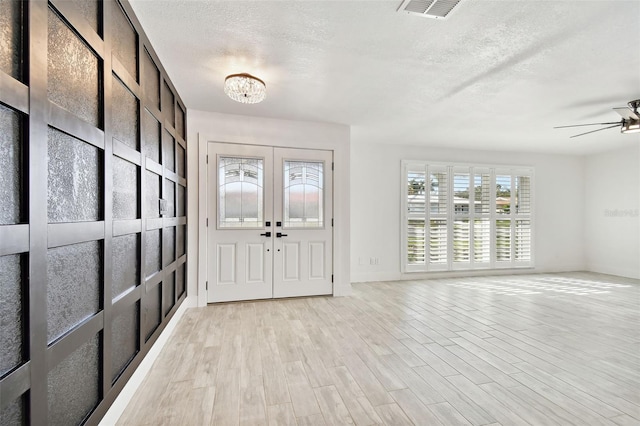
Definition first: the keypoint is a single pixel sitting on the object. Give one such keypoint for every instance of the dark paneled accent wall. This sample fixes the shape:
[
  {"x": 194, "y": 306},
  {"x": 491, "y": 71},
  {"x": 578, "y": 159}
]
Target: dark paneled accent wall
[{"x": 92, "y": 206}]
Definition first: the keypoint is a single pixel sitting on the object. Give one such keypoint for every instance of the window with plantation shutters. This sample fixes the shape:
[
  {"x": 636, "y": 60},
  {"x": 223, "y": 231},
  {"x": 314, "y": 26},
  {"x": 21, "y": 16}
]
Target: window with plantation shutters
[{"x": 458, "y": 217}]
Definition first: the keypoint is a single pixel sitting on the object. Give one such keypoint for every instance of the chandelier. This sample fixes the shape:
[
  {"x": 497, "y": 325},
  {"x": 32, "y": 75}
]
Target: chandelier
[{"x": 245, "y": 88}]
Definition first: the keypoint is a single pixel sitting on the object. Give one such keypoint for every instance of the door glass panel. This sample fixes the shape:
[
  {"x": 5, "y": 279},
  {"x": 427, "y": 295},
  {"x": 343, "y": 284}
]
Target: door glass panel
[
  {"x": 240, "y": 192},
  {"x": 303, "y": 194}
]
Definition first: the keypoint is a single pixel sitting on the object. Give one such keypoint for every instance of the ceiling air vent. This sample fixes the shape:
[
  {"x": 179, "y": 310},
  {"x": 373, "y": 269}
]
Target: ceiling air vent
[{"x": 437, "y": 9}]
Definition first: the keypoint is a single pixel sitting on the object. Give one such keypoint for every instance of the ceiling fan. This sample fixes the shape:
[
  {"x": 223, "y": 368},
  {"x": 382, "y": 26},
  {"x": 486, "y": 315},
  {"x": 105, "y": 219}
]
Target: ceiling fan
[{"x": 630, "y": 122}]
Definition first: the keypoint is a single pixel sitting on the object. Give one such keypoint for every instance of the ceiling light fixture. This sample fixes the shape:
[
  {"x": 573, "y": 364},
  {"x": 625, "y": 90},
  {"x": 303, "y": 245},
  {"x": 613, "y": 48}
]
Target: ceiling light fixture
[
  {"x": 631, "y": 119},
  {"x": 245, "y": 88},
  {"x": 630, "y": 126}
]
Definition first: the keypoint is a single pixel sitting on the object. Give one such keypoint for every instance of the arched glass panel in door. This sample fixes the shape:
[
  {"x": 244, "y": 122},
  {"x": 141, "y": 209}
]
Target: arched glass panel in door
[
  {"x": 240, "y": 192},
  {"x": 303, "y": 194}
]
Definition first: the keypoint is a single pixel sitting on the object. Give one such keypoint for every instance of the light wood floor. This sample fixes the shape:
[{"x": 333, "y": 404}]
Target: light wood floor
[{"x": 555, "y": 349}]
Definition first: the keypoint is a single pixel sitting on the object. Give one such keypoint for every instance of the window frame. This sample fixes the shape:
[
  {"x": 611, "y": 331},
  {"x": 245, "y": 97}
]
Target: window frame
[{"x": 472, "y": 170}]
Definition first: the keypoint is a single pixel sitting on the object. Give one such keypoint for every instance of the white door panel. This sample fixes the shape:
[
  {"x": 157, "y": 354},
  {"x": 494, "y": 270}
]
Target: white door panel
[
  {"x": 270, "y": 228},
  {"x": 290, "y": 261},
  {"x": 316, "y": 261},
  {"x": 227, "y": 264},
  {"x": 255, "y": 263},
  {"x": 303, "y": 205},
  {"x": 240, "y": 203}
]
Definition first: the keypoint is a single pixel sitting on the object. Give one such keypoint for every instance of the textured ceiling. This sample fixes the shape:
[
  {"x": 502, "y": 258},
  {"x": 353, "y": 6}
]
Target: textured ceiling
[{"x": 496, "y": 75}]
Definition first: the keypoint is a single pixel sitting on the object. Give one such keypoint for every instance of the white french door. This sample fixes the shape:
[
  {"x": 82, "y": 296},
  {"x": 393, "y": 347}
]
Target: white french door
[
  {"x": 303, "y": 206},
  {"x": 239, "y": 243},
  {"x": 269, "y": 230}
]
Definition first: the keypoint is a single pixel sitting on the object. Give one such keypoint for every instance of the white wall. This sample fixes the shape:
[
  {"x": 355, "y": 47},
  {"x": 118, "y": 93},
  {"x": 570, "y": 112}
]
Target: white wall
[
  {"x": 572, "y": 195},
  {"x": 203, "y": 126},
  {"x": 375, "y": 206},
  {"x": 612, "y": 223}
]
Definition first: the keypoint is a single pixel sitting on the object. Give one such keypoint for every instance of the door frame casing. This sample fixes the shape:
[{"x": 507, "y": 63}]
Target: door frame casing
[{"x": 341, "y": 200}]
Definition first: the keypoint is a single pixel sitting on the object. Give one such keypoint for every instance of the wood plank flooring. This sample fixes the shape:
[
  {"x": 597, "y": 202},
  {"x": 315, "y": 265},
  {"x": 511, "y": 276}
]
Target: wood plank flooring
[{"x": 548, "y": 349}]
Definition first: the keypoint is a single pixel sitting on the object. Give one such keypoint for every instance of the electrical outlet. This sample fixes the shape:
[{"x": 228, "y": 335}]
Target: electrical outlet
[
  {"x": 372, "y": 261},
  {"x": 164, "y": 207}
]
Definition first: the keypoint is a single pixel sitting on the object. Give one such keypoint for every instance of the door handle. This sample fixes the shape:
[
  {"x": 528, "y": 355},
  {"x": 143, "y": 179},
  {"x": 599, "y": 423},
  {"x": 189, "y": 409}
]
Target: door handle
[
  {"x": 280, "y": 235},
  {"x": 266, "y": 234}
]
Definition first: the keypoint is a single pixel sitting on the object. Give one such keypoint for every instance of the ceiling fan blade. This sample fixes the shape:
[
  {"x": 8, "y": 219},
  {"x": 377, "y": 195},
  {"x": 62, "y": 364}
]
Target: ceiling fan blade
[
  {"x": 627, "y": 113},
  {"x": 593, "y": 131},
  {"x": 590, "y": 124}
]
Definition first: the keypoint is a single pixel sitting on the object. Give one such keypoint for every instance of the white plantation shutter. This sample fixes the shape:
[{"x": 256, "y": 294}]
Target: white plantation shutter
[
  {"x": 438, "y": 191},
  {"x": 522, "y": 244},
  {"x": 438, "y": 241},
  {"x": 523, "y": 195},
  {"x": 461, "y": 194},
  {"x": 481, "y": 215},
  {"x": 482, "y": 192},
  {"x": 415, "y": 219},
  {"x": 503, "y": 195},
  {"x": 416, "y": 247},
  {"x": 513, "y": 220},
  {"x": 415, "y": 193},
  {"x": 458, "y": 217},
  {"x": 461, "y": 241},
  {"x": 482, "y": 241},
  {"x": 438, "y": 215},
  {"x": 503, "y": 240},
  {"x": 462, "y": 201},
  {"x": 522, "y": 231}
]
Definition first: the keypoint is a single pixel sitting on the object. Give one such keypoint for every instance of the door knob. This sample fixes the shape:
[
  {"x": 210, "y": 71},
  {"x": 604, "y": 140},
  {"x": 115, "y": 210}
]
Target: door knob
[
  {"x": 266, "y": 234},
  {"x": 280, "y": 235}
]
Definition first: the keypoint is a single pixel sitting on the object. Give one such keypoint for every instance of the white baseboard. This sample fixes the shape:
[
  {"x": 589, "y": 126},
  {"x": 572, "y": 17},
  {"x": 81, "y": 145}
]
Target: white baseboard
[
  {"x": 398, "y": 276},
  {"x": 620, "y": 272},
  {"x": 376, "y": 276},
  {"x": 342, "y": 290},
  {"x": 120, "y": 404}
]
